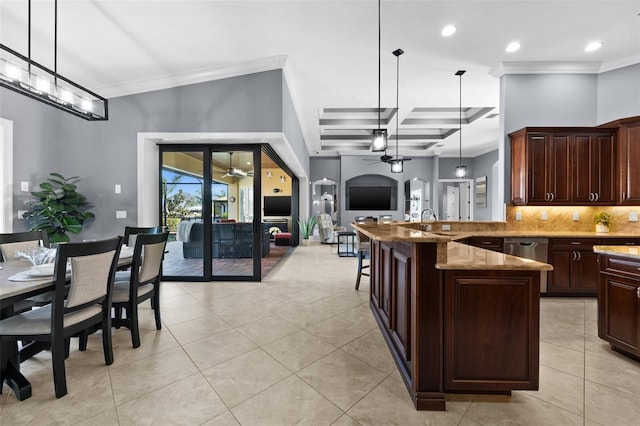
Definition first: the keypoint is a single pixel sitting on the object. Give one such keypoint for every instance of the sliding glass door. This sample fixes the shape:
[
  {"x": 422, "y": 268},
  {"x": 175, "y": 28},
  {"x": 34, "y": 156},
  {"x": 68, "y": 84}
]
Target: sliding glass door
[{"x": 210, "y": 203}]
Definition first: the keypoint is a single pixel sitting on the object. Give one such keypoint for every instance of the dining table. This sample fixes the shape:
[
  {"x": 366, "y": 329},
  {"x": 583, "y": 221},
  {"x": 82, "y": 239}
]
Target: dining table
[{"x": 18, "y": 282}]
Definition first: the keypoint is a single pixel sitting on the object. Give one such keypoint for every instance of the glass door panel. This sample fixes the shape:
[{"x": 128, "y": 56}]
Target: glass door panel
[
  {"x": 234, "y": 241},
  {"x": 182, "y": 190}
]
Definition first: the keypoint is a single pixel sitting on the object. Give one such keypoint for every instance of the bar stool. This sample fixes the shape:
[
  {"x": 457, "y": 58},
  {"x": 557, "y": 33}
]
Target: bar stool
[{"x": 364, "y": 252}]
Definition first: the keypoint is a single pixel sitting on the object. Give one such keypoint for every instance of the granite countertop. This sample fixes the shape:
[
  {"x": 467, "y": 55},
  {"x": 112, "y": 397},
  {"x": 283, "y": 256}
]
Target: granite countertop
[
  {"x": 624, "y": 251},
  {"x": 451, "y": 255}
]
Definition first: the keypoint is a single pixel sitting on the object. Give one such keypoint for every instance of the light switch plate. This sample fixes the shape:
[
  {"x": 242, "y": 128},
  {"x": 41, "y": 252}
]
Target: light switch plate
[
  {"x": 446, "y": 227},
  {"x": 20, "y": 213},
  {"x": 633, "y": 216},
  {"x": 118, "y": 188},
  {"x": 576, "y": 216},
  {"x": 24, "y": 186},
  {"x": 518, "y": 215},
  {"x": 121, "y": 214},
  {"x": 543, "y": 216}
]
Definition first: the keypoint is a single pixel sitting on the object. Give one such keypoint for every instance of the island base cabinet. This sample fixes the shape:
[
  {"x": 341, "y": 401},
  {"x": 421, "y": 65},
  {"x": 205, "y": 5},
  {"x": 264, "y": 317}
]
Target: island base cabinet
[
  {"x": 619, "y": 304},
  {"x": 491, "y": 331}
]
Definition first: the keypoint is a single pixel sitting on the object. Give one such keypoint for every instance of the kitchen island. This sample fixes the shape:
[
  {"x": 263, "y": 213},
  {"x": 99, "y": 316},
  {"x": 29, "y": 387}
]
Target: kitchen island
[{"x": 456, "y": 318}]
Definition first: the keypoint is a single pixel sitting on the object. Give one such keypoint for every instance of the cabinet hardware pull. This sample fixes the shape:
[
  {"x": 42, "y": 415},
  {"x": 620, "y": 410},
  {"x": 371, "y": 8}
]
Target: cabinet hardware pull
[
  {"x": 573, "y": 255},
  {"x": 552, "y": 196},
  {"x": 575, "y": 243},
  {"x": 591, "y": 196},
  {"x": 638, "y": 292},
  {"x": 546, "y": 196},
  {"x": 579, "y": 256},
  {"x": 597, "y": 196}
]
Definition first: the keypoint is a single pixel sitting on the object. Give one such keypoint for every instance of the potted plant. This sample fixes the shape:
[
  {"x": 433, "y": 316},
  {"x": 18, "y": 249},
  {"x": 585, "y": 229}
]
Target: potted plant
[
  {"x": 58, "y": 209},
  {"x": 603, "y": 221},
  {"x": 306, "y": 227}
]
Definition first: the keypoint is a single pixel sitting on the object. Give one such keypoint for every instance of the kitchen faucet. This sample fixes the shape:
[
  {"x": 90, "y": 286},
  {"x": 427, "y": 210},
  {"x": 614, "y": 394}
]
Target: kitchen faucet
[{"x": 432, "y": 214}]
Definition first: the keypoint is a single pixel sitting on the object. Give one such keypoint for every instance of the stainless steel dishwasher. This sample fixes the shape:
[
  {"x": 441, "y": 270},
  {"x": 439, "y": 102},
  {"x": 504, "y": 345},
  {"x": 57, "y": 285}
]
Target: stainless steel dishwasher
[{"x": 530, "y": 248}]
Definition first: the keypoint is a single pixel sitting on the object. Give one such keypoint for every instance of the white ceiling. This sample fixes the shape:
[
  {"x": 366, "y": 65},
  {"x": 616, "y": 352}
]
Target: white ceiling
[{"x": 329, "y": 50}]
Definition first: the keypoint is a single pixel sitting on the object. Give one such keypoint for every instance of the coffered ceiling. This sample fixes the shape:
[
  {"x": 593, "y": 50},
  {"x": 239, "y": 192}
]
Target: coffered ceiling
[{"x": 329, "y": 51}]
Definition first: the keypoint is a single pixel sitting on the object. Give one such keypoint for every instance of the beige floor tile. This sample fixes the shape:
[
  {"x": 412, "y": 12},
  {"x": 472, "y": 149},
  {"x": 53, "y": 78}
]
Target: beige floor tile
[
  {"x": 390, "y": 404},
  {"x": 187, "y": 313},
  {"x": 610, "y": 407},
  {"x": 341, "y": 378},
  {"x": 134, "y": 379},
  {"x": 221, "y": 347},
  {"x": 152, "y": 342},
  {"x": 178, "y": 301},
  {"x": 360, "y": 315},
  {"x": 289, "y": 402},
  {"x": 298, "y": 350},
  {"x": 337, "y": 331},
  {"x": 372, "y": 349},
  {"x": 561, "y": 389},
  {"x": 615, "y": 371},
  {"x": 345, "y": 420},
  {"x": 224, "y": 419},
  {"x": 171, "y": 289},
  {"x": 197, "y": 329},
  {"x": 519, "y": 409},
  {"x": 468, "y": 422},
  {"x": 244, "y": 376},
  {"x": 244, "y": 314},
  {"x": 561, "y": 358},
  {"x": 193, "y": 402},
  {"x": 304, "y": 315},
  {"x": 267, "y": 330},
  {"x": 309, "y": 295},
  {"x": 106, "y": 418}
]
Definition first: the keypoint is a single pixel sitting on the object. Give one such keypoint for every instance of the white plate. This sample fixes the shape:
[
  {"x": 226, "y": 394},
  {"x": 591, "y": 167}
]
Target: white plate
[
  {"x": 45, "y": 270},
  {"x": 126, "y": 251}
]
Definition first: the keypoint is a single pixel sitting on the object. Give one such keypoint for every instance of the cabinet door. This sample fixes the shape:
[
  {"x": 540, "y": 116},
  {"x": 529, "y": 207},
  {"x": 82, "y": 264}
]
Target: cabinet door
[
  {"x": 537, "y": 168},
  {"x": 400, "y": 326},
  {"x": 629, "y": 158},
  {"x": 385, "y": 283},
  {"x": 559, "y": 280},
  {"x": 584, "y": 272},
  {"x": 376, "y": 287},
  {"x": 618, "y": 314},
  {"x": 489, "y": 243},
  {"x": 559, "y": 169},
  {"x": 593, "y": 166}
]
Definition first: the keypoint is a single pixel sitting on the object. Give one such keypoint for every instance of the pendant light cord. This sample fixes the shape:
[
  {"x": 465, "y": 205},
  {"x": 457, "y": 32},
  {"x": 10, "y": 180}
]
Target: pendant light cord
[
  {"x": 55, "y": 42},
  {"x": 379, "y": 60},
  {"x": 460, "y": 124},
  {"x": 397, "y": 103}
]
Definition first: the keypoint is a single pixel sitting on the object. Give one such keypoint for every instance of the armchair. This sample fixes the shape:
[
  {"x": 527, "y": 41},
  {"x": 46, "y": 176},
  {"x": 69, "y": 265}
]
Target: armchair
[{"x": 328, "y": 231}]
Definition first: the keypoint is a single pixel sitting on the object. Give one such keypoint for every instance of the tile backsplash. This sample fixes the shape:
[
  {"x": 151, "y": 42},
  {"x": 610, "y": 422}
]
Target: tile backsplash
[{"x": 561, "y": 218}]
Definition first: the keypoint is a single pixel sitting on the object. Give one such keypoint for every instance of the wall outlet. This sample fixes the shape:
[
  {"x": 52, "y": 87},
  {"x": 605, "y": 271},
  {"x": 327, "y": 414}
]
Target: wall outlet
[
  {"x": 576, "y": 216},
  {"x": 633, "y": 216},
  {"x": 518, "y": 215},
  {"x": 24, "y": 186},
  {"x": 20, "y": 213},
  {"x": 446, "y": 227},
  {"x": 121, "y": 214},
  {"x": 543, "y": 216},
  {"x": 118, "y": 188}
]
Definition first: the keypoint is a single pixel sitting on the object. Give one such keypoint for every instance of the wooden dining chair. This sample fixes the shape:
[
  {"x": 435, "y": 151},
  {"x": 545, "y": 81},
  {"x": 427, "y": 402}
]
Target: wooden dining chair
[
  {"x": 143, "y": 284},
  {"x": 87, "y": 304},
  {"x": 130, "y": 232},
  {"x": 10, "y": 243}
]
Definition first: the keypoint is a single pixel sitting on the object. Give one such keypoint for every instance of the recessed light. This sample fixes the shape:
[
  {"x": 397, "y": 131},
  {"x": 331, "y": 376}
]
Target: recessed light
[
  {"x": 593, "y": 46},
  {"x": 513, "y": 47},
  {"x": 448, "y": 30}
]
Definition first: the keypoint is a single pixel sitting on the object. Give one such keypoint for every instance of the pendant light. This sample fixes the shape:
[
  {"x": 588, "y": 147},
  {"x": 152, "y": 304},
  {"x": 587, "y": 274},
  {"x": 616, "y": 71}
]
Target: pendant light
[
  {"x": 461, "y": 170},
  {"x": 379, "y": 136},
  {"x": 397, "y": 163},
  {"x": 27, "y": 77}
]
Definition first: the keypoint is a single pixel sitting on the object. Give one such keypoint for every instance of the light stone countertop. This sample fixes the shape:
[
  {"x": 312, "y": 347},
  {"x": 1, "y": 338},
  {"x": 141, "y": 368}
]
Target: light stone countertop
[
  {"x": 451, "y": 255},
  {"x": 624, "y": 251}
]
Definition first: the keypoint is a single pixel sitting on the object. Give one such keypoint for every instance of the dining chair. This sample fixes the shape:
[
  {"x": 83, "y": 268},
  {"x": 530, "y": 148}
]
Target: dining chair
[
  {"x": 143, "y": 284},
  {"x": 364, "y": 252},
  {"x": 90, "y": 269},
  {"x": 10, "y": 243},
  {"x": 130, "y": 232}
]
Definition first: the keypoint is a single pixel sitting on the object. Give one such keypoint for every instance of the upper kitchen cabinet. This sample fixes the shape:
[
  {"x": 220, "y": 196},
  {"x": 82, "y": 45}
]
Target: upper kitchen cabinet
[
  {"x": 628, "y": 172},
  {"x": 563, "y": 166}
]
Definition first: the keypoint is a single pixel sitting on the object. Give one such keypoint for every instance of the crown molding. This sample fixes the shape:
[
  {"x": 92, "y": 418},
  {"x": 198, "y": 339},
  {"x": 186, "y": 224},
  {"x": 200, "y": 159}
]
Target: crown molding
[
  {"x": 562, "y": 67},
  {"x": 192, "y": 77}
]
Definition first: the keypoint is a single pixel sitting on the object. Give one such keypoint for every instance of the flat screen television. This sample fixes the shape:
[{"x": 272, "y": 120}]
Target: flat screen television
[
  {"x": 277, "y": 205},
  {"x": 369, "y": 198}
]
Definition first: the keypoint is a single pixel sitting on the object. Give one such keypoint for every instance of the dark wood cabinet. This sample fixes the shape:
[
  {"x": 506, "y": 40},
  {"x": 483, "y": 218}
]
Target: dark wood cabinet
[
  {"x": 575, "y": 268},
  {"x": 489, "y": 243},
  {"x": 563, "y": 166},
  {"x": 628, "y": 153},
  {"x": 593, "y": 157},
  {"x": 619, "y": 303}
]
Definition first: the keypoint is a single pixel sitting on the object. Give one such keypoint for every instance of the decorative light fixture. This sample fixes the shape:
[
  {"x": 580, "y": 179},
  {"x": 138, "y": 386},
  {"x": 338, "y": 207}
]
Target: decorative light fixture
[
  {"x": 25, "y": 76},
  {"x": 379, "y": 136},
  {"x": 461, "y": 170},
  {"x": 269, "y": 175},
  {"x": 397, "y": 163},
  {"x": 283, "y": 179}
]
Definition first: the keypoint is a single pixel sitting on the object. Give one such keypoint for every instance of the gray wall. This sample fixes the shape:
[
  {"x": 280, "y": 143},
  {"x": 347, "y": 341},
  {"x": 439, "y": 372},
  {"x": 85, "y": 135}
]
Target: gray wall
[
  {"x": 104, "y": 153},
  {"x": 619, "y": 94},
  {"x": 483, "y": 166}
]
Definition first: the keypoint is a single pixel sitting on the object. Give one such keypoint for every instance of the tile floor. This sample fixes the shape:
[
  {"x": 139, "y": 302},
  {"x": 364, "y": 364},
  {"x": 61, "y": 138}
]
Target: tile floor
[{"x": 303, "y": 348}]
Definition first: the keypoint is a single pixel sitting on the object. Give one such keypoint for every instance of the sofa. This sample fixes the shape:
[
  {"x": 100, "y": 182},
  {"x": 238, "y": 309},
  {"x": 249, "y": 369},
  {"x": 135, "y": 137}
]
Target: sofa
[{"x": 229, "y": 240}]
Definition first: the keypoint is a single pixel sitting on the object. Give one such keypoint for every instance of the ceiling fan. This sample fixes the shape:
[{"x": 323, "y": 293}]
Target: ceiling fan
[{"x": 234, "y": 171}]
